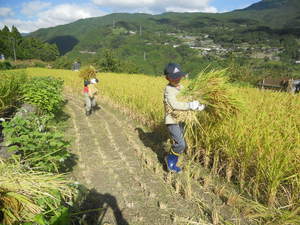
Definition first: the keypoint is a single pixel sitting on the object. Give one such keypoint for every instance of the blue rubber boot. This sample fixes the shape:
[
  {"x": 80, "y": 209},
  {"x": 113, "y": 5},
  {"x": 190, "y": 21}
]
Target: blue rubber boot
[{"x": 171, "y": 161}]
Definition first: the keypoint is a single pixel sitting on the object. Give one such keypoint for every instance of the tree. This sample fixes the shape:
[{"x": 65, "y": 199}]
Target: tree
[
  {"x": 5, "y": 42},
  {"x": 290, "y": 52},
  {"x": 12, "y": 44},
  {"x": 185, "y": 52},
  {"x": 15, "y": 33},
  {"x": 109, "y": 62},
  {"x": 49, "y": 52},
  {"x": 5, "y": 30}
]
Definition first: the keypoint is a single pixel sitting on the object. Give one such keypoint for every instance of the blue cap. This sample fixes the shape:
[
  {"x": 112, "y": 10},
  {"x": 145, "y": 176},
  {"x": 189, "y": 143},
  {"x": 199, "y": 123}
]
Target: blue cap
[{"x": 173, "y": 71}]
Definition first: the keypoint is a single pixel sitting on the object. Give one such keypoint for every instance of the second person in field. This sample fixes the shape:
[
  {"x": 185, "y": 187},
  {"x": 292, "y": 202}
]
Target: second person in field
[{"x": 90, "y": 93}]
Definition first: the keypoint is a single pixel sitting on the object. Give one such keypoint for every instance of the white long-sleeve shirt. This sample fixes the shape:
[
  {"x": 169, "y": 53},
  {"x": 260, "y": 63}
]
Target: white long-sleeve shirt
[{"x": 171, "y": 103}]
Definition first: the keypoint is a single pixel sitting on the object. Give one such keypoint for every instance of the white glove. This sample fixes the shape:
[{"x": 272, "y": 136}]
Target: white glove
[
  {"x": 201, "y": 107},
  {"x": 193, "y": 105}
]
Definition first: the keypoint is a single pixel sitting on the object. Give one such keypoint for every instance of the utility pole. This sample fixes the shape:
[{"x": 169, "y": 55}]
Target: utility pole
[
  {"x": 140, "y": 30},
  {"x": 144, "y": 56},
  {"x": 14, "y": 48},
  {"x": 13, "y": 40}
]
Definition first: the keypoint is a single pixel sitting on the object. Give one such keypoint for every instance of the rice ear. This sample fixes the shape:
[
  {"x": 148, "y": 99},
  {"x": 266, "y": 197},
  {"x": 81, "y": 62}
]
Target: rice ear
[{"x": 213, "y": 89}]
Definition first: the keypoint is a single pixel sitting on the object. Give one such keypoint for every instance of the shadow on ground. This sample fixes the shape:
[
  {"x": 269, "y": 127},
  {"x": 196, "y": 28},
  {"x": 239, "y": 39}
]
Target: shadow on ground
[
  {"x": 94, "y": 209},
  {"x": 156, "y": 140}
]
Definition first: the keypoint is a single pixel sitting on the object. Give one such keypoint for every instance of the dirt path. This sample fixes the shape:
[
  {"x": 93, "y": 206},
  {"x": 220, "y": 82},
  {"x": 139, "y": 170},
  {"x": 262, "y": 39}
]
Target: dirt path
[{"x": 110, "y": 154}]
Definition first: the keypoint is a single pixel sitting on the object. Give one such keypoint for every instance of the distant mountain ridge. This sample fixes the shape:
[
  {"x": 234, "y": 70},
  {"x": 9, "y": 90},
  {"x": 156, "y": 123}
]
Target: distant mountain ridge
[
  {"x": 273, "y": 13},
  {"x": 268, "y": 4}
]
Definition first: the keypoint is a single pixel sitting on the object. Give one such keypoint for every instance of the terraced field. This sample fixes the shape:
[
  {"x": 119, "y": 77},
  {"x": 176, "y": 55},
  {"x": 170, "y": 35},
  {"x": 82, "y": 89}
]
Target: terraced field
[{"x": 125, "y": 175}]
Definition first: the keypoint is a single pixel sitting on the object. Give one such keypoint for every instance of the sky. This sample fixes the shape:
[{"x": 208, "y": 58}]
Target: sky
[{"x": 30, "y": 15}]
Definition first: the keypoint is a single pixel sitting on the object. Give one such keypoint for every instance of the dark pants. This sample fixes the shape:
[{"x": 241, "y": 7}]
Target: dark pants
[{"x": 176, "y": 132}]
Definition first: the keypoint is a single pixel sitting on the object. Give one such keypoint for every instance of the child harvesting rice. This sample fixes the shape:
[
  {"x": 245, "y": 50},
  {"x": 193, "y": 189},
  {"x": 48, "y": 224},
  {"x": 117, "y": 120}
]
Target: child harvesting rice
[
  {"x": 90, "y": 91},
  {"x": 176, "y": 128}
]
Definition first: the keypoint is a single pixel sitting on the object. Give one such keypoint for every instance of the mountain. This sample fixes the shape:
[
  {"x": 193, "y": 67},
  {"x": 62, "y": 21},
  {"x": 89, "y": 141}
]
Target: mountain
[
  {"x": 273, "y": 13},
  {"x": 267, "y": 22}
]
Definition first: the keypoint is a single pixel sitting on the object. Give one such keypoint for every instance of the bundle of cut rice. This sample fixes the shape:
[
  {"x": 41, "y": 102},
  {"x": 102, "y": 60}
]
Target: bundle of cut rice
[
  {"x": 212, "y": 89},
  {"x": 88, "y": 73},
  {"x": 25, "y": 193}
]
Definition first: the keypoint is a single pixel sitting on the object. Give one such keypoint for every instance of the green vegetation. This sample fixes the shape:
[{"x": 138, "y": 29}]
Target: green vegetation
[
  {"x": 13, "y": 46},
  {"x": 32, "y": 190},
  {"x": 38, "y": 143},
  {"x": 10, "y": 91},
  {"x": 6, "y": 65},
  {"x": 45, "y": 93},
  {"x": 277, "y": 14},
  {"x": 21, "y": 64}
]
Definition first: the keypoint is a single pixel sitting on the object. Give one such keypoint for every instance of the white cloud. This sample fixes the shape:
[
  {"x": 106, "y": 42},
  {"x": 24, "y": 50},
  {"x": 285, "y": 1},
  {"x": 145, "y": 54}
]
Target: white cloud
[
  {"x": 5, "y": 12},
  {"x": 22, "y": 26},
  {"x": 57, "y": 15},
  {"x": 68, "y": 12},
  {"x": 157, "y": 6},
  {"x": 31, "y": 8}
]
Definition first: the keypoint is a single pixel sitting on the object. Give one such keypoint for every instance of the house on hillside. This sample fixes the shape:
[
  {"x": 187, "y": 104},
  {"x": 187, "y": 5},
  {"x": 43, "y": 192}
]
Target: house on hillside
[
  {"x": 87, "y": 52},
  {"x": 280, "y": 84},
  {"x": 131, "y": 32}
]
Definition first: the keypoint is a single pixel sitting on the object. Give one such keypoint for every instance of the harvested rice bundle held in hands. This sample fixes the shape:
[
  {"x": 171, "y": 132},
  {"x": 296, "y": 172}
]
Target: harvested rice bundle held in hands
[{"x": 217, "y": 94}]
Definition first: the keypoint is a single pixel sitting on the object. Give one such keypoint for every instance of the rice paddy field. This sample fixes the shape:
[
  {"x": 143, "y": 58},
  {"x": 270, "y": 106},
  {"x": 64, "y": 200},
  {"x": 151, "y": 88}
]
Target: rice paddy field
[{"x": 252, "y": 139}]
